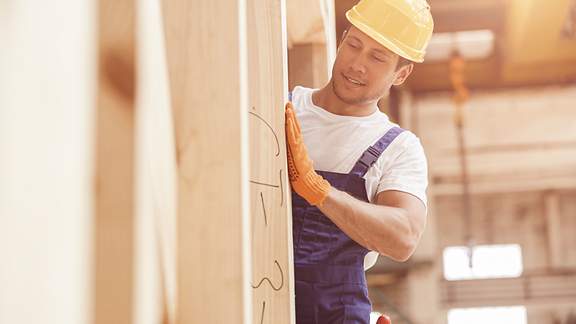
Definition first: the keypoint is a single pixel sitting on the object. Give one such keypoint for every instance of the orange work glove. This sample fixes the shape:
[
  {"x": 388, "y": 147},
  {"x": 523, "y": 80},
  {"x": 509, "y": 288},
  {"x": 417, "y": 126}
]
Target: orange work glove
[
  {"x": 304, "y": 180},
  {"x": 384, "y": 319}
]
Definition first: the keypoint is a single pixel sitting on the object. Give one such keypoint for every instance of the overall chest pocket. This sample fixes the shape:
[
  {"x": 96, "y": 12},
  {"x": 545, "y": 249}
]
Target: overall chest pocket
[{"x": 317, "y": 237}]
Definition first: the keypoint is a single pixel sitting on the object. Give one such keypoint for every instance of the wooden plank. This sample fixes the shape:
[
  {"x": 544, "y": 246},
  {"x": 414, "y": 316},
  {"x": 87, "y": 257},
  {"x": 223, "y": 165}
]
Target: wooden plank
[
  {"x": 505, "y": 183},
  {"x": 207, "y": 61},
  {"x": 114, "y": 215},
  {"x": 156, "y": 175},
  {"x": 272, "y": 263},
  {"x": 47, "y": 81}
]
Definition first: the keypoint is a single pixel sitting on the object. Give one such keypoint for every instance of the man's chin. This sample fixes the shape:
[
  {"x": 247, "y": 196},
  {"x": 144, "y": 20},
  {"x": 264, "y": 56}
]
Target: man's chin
[
  {"x": 347, "y": 96},
  {"x": 349, "y": 99}
]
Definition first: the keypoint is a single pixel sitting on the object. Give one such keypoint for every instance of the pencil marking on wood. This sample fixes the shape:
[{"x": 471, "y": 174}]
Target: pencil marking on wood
[
  {"x": 262, "y": 315},
  {"x": 264, "y": 184},
  {"x": 271, "y": 129},
  {"x": 264, "y": 209},
  {"x": 281, "y": 190},
  {"x": 270, "y": 281}
]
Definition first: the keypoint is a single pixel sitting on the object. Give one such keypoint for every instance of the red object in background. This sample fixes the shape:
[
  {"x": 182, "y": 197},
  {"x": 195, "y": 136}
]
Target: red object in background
[{"x": 383, "y": 319}]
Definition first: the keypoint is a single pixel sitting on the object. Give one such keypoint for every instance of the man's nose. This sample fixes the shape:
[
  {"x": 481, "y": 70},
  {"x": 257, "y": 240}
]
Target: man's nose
[{"x": 358, "y": 64}]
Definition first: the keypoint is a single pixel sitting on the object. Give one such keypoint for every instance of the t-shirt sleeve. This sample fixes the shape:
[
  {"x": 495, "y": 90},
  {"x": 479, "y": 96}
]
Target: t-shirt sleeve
[{"x": 408, "y": 172}]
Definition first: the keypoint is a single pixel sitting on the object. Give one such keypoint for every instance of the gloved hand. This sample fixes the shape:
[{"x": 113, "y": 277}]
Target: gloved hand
[
  {"x": 383, "y": 319},
  {"x": 304, "y": 180}
]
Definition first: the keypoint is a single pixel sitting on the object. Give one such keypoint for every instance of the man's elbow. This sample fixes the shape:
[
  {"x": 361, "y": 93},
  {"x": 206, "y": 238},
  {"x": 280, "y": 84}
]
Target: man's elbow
[
  {"x": 403, "y": 250},
  {"x": 403, "y": 242}
]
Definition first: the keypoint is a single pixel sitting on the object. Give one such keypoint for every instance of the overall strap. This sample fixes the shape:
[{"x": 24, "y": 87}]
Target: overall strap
[
  {"x": 289, "y": 95},
  {"x": 371, "y": 155}
]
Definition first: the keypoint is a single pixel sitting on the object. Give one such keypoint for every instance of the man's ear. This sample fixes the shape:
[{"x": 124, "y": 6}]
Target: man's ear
[{"x": 403, "y": 73}]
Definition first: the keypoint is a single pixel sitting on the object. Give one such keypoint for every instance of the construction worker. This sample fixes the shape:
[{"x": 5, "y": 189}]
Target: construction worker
[{"x": 358, "y": 180}]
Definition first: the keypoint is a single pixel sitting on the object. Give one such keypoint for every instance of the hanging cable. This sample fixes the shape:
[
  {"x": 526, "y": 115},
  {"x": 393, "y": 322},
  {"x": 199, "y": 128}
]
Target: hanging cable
[{"x": 461, "y": 96}]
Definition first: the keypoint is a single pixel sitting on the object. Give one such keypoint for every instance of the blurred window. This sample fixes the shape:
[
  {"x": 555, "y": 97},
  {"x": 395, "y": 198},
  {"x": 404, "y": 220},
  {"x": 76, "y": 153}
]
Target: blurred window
[
  {"x": 488, "y": 261},
  {"x": 492, "y": 315}
]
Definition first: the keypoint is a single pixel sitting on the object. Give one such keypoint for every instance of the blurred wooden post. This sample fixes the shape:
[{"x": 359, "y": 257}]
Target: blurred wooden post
[
  {"x": 47, "y": 79},
  {"x": 207, "y": 60},
  {"x": 311, "y": 42},
  {"x": 114, "y": 205}
]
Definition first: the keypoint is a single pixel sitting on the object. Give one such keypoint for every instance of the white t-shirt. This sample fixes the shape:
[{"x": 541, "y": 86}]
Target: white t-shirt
[{"x": 336, "y": 142}]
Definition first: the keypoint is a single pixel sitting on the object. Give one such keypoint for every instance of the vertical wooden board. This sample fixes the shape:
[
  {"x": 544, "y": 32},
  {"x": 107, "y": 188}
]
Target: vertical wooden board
[
  {"x": 114, "y": 205},
  {"x": 270, "y": 205},
  {"x": 155, "y": 256},
  {"x": 206, "y": 53}
]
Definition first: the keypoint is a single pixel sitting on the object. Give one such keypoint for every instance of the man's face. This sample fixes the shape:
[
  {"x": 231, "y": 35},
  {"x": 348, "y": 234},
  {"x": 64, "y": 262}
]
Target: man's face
[{"x": 364, "y": 70}]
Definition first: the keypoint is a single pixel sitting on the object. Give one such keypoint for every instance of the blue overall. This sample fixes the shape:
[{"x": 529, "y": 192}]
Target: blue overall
[{"x": 328, "y": 265}]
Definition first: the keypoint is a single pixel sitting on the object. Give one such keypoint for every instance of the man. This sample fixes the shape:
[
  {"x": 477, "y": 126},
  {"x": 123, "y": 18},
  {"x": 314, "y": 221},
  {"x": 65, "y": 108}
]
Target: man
[{"x": 366, "y": 189}]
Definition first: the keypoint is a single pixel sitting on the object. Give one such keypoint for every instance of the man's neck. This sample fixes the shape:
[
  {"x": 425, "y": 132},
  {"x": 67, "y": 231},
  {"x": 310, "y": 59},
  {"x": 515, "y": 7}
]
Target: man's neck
[{"x": 326, "y": 99}]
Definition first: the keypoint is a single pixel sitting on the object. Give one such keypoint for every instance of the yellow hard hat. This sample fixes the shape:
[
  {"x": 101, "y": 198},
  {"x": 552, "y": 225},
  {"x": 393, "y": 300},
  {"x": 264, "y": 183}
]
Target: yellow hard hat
[{"x": 402, "y": 26}]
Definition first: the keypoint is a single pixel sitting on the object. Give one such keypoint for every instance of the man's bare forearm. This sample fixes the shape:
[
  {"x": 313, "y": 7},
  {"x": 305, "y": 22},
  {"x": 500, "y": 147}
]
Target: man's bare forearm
[{"x": 387, "y": 230}]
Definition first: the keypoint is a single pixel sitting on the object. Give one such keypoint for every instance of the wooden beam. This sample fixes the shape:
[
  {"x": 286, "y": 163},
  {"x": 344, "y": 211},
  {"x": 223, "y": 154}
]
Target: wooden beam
[
  {"x": 540, "y": 289},
  {"x": 502, "y": 183},
  {"x": 114, "y": 215},
  {"x": 451, "y": 16},
  {"x": 155, "y": 224},
  {"x": 207, "y": 60},
  {"x": 272, "y": 263}
]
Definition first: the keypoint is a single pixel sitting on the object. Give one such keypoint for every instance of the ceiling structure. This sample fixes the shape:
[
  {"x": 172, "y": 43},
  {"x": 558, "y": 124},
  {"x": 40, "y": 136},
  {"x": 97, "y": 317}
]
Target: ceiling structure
[{"x": 534, "y": 42}]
